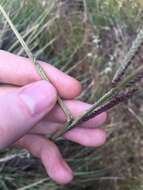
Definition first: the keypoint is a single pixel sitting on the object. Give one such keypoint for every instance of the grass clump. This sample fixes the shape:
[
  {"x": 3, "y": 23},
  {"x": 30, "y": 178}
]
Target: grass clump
[{"x": 86, "y": 39}]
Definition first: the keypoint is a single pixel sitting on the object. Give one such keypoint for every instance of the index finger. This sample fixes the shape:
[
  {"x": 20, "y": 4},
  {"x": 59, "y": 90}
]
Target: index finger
[{"x": 20, "y": 71}]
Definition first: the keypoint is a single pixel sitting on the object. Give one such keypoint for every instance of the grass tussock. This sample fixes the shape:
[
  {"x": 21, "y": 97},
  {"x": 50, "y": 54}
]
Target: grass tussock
[{"x": 87, "y": 39}]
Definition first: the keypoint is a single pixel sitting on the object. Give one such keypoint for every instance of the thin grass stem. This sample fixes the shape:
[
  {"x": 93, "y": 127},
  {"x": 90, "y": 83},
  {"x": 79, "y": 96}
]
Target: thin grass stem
[{"x": 38, "y": 67}]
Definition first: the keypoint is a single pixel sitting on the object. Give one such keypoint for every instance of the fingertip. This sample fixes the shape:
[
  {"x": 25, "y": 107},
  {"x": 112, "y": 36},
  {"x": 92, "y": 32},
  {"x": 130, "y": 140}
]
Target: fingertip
[
  {"x": 97, "y": 121},
  {"x": 60, "y": 172},
  {"x": 55, "y": 166},
  {"x": 64, "y": 174},
  {"x": 67, "y": 86},
  {"x": 73, "y": 88},
  {"x": 102, "y": 118},
  {"x": 87, "y": 137},
  {"x": 102, "y": 136}
]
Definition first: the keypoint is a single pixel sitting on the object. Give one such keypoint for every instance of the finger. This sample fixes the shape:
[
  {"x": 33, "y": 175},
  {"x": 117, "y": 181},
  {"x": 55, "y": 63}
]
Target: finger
[
  {"x": 50, "y": 156},
  {"x": 22, "y": 109},
  {"x": 87, "y": 137},
  {"x": 5, "y": 89},
  {"x": 20, "y": 71},
  {"x": 76, "y": 108},
  {"x": 46, "y": 128}
]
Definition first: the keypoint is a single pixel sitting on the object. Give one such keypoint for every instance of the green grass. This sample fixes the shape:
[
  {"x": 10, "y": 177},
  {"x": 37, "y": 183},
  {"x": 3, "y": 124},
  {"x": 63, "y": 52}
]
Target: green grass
[{"x": 88, "y": 41}]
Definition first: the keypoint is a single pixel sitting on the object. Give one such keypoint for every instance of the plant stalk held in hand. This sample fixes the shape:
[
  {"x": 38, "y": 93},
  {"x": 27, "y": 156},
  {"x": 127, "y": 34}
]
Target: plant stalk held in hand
[{"x": 121, "y": 90}]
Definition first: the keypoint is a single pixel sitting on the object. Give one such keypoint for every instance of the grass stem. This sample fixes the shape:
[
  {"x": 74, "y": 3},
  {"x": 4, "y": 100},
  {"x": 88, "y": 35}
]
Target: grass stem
[{"x": 38, "y": 67}]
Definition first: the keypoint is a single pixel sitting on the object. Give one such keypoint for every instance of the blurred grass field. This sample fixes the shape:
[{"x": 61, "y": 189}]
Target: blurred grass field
[{"x": 88, "y": 40}]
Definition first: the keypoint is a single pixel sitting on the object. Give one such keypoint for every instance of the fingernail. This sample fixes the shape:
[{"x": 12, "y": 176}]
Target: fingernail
[{"x": 38, "y": 97}]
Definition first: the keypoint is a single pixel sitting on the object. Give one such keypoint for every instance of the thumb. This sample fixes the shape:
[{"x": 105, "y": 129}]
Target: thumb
[{"x": 22, "y": 109}]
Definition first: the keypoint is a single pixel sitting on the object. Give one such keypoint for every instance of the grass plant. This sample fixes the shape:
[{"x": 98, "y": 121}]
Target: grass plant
[{"x": 99, "y": 36}]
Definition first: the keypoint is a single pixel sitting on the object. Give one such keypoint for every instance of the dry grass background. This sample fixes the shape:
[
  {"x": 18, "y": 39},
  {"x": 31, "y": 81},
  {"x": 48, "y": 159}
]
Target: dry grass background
[{"x": 87, "y": 39}]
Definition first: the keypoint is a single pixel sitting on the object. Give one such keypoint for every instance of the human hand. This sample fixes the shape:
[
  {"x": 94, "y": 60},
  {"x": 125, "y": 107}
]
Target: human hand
[{"x": 29, "y": 110}]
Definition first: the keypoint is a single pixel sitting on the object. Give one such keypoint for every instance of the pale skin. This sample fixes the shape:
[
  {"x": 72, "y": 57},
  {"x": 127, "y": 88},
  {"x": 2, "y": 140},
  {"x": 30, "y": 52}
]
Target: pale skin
[{"x": 29, "y": 110}]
